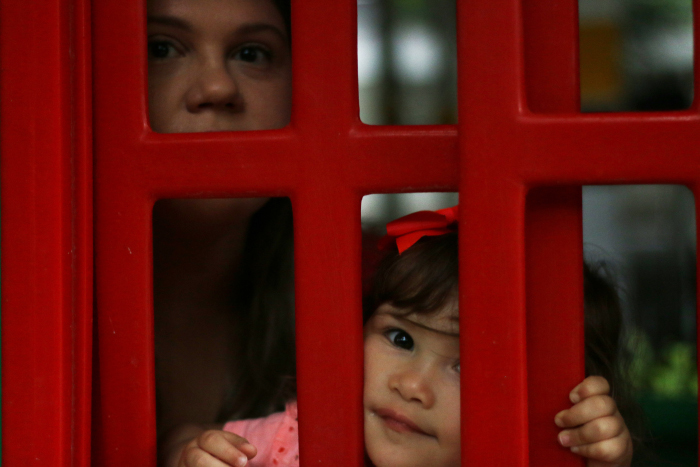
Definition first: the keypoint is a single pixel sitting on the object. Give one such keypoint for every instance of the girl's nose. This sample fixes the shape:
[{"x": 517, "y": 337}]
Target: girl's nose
[
  {"x": 413, "y": 384},
  {"x": 215, "y": 88}
]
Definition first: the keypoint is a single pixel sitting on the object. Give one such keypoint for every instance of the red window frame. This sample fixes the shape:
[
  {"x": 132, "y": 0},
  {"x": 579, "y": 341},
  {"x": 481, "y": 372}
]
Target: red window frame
[{"x": 520, "y": 146}]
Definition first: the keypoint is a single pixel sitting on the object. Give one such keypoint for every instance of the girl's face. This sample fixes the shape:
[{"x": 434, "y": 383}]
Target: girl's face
[
  {"x": 217, "y": 65},
  {"x": 411, "y": 393}
]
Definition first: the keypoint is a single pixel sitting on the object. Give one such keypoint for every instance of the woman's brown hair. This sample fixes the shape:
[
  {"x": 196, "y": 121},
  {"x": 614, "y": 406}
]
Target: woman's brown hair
[
  {"x": 264, "y": 379},
  {"x": 266, "y": 376}
]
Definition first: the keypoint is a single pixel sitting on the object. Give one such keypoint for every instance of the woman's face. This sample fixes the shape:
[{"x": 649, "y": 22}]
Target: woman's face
[{"x": 217, "y": 65}]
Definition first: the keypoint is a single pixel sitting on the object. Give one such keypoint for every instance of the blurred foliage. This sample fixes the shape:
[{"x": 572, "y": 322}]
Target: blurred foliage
[
  {"x": 410, "y": 6},
  {"x": 671, "y": 372},
  {"x": 662, "y": 11}
]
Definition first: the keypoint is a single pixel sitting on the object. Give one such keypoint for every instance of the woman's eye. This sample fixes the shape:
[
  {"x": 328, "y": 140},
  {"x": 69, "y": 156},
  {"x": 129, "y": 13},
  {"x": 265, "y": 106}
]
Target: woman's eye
[
  {"x": 159, "y": 50},
  {"x": 252, "y": 54},
  {"x": 400, "y": 339}
]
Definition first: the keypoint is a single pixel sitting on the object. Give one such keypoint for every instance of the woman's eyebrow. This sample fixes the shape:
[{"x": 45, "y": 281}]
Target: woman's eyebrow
[
  {"x": 170, "y": 21},
  {"x": 252, "y": 28}
]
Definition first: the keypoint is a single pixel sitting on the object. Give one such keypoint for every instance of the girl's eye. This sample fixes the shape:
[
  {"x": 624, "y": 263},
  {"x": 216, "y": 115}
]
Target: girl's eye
[
  {"x": 400, "y": 339},
  {"x": 252, "y": 54},
  {"x": 159, "y": 50},
  {"x": 456, "y": 367}
]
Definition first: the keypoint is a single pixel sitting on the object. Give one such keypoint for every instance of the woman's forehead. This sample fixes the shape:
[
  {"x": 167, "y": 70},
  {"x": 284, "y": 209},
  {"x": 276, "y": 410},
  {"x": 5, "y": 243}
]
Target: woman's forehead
[{"x": 224, "y": 10}]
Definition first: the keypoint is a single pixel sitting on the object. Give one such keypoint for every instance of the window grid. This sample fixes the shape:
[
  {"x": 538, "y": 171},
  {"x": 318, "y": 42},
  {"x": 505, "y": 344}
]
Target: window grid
[{"x": 325, "y": 161}]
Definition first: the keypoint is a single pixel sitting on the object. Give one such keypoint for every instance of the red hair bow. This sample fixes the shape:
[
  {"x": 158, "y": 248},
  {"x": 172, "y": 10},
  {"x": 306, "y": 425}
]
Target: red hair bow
[{"x": 407, "y": 230}]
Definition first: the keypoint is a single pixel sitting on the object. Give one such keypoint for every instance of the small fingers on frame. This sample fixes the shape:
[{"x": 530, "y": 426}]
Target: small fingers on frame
[
  {"x": 588, "y": 409},
  {"x": 228, "y": 448},
  {"x": 600, "y": 429},
  {"x": 591, "y": 386},
  {"x": 194, "y": 456},
  {"x": 615, "y": 451},
  {"x": 241, "y": 443}
]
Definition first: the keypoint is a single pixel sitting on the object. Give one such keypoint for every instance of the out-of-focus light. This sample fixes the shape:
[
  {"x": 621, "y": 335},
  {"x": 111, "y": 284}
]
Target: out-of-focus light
[
  {"x": 369, "y": 56},
  {"x": 673, "y": 48},
  {"x": 418, "y": 54}
]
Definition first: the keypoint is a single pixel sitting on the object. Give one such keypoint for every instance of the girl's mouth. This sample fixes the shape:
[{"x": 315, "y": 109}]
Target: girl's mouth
[{"x": 398, "y": 422}]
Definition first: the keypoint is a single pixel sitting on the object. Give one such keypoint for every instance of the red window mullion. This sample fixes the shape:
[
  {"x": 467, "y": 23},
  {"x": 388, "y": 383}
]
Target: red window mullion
[
  {"x": 47, "y": 231},
  {"x": 492, "y": 295},
  {"x": 553, "y": 237},
  {"x": 124, "y": 411}
]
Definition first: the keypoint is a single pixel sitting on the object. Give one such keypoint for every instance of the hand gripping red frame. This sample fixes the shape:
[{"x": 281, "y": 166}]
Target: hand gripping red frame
[{"x": 516, "y": 136}]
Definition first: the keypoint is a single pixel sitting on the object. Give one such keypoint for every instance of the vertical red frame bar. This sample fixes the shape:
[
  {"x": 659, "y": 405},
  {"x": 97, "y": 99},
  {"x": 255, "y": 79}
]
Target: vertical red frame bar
[
  {"x": 492, "y": 292},
  {"x": 695, "y": 188},
  {"x": 553, "y": 237},
  {"x": 46, "y": 173},
  {"x": 512, "y": 302}
]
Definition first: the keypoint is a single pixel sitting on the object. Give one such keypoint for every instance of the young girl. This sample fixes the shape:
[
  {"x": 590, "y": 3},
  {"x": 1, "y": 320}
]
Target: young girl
[{"x": 412, "y": 374}]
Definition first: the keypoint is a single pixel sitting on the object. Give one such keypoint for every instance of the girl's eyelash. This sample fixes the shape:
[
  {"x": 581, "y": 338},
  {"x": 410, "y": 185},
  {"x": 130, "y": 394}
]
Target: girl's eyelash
[{"x": 391, "y": 329}]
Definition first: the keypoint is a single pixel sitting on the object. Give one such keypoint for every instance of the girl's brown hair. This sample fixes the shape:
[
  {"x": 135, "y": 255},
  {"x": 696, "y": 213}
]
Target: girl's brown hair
[
  {"x": 606, "y": 355},
  {"x": 422, "y": 279}
]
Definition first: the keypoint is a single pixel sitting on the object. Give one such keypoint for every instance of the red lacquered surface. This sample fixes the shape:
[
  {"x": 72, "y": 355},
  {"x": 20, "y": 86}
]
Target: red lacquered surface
[
  {"x": 553, "y": 238},
  {"x": 519, "y": 129},
  {"x": 506, "y": 150},
  {"x": 46, "y": 232}
]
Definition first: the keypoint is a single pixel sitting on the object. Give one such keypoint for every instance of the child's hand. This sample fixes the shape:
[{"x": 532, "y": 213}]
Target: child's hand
[
  {"x": 594, "y": 427},
  {"x": 192, "y": 446},
  {"x": 217, "y": 448}
]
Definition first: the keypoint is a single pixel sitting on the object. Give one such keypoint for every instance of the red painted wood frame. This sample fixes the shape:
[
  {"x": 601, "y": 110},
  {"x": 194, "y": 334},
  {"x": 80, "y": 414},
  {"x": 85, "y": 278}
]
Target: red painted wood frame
[
  {"x": 46, "y": 206},
  {"x": 519, "y": 131}
]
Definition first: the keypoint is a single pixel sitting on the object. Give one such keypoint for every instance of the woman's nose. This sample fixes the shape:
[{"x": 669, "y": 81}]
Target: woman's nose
[
  {"x": 414, "y": 383},
  {"x": 215, "y": 88}
]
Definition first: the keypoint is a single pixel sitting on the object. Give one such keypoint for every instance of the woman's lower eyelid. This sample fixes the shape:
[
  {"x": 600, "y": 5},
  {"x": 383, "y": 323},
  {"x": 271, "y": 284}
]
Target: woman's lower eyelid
[{"x": 179, "y": 48}]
